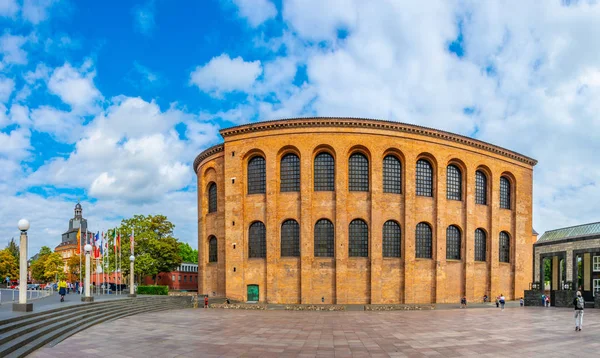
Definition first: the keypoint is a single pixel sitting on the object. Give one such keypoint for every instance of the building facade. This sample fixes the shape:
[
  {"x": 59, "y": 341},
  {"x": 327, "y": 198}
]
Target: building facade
[
  {"x": 184, "y": 278},
  {"x": 68, "y": 244},
  {"x": 328, "y": 210}
]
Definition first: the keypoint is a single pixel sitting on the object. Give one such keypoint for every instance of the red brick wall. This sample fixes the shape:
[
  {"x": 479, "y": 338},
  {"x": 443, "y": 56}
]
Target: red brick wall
[{"x": 188, "y": 281}]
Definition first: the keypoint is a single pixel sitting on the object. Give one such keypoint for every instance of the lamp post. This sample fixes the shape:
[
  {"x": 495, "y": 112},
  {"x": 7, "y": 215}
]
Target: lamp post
[
  {"x": 87, "y": 297},
  {"x": 23, "y": 306},
  {"x": 131, "y": 290}
]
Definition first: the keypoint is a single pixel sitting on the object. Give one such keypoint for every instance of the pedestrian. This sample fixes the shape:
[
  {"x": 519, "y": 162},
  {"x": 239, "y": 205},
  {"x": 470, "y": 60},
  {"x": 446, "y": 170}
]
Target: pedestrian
[
  {"x": 205, "y": 301},
  {"x": 62, "y": 290},
  {"x": 463, "y": 302},
  {"x": 579, "y": 304},
  {"x": 543, "y": 300},
  {"x": 77, "y": 287},
  {"x": 547, "y": 301},
  {"x": 227, "y": 300},
  {"x": 502, "y": 301},
  {"x": 497, "y": 301},
  {"x": 521, "y": 302},
  {"x": 485, "y": 298}
]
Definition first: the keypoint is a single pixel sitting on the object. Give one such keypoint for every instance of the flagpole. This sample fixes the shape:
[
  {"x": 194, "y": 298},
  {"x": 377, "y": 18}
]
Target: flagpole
[
  {"x": 79, "y": 251},
  {"x": 120, "y": 273}
]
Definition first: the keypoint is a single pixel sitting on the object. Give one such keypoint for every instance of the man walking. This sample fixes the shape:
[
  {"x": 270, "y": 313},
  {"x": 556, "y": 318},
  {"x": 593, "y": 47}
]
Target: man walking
[{"x": 579, "y": 304}]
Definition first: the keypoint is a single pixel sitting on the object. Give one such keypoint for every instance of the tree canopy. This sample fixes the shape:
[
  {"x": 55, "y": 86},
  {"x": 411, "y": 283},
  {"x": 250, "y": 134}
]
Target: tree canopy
[
  {"x": 48, "y": 265},
  {"x": 187, "y": 253},
  {"x": 13, "y": 248},
  {"x": 9, "y": 266}
]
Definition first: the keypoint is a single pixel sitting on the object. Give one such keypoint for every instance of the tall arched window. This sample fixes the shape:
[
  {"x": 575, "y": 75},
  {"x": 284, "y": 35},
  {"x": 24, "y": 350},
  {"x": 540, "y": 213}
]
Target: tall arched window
[
  {"x": 480, "y": 245},
  {"x": 504, "y": 193},
  {"x": 212, "y": 198},
  {"x": 290, "y": 239},
  {"x": 289, "y": 173},
  {"x": 452, "y": 243},
  {"x": 424, "y": 240},
  {"x": 392, "y": 175},
  {"x": 257, "y": 177},
  {"x": 358, "y": 172},
  {"x": 453, "y": 183},
  {"x": 324, "y": 172},
  {"x": 324, "y": 238},
  {"x": 358, "y": 239},
  {"x": 392, "y": 237},
  {"x": 504, "y": 247},
  {"x": 424, "y": 178},
  {"x": 480, "y": 188},
  {"x": 257, "y": 240},
  {"x": 212, "y": 249}
]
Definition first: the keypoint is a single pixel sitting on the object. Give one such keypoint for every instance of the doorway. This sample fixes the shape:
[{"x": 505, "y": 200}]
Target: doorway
[{"x": 253, "y": 293}]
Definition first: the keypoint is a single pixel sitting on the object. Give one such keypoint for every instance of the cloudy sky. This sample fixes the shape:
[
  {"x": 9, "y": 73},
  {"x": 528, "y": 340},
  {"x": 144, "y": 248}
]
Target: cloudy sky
[{"x": 109, "y": 102}]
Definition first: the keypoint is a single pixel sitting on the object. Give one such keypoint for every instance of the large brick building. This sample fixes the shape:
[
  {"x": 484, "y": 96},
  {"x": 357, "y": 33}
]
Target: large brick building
[{"x": 361, "y": 211}]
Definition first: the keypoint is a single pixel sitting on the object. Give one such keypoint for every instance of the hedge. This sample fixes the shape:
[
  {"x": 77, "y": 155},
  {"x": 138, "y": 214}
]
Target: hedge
[{"x": 153, "y": 290}]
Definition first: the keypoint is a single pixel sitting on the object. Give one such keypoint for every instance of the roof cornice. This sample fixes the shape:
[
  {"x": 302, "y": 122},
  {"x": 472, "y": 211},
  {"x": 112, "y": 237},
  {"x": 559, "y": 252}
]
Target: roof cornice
[{"x": 207, "y": 153}]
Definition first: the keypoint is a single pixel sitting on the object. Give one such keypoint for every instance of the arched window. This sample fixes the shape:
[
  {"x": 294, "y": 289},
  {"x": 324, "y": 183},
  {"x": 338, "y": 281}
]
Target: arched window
[
  {"x": 392, "y": 175},
  {"x": 453, "y": 183},
  {"x": 212, "y": 198},
  {"x": 424, "y": 178},
  {"x": 257, "y": 179},
  {"x": 504, "y": 247},
  {"x": 452, "y": 243},
  {"x": 424, "y": 239},
  {"x": 324, "y": 172},
  {"x": 358, "y": 239},
  {"x": 480, "y": 245},
  {"x": 504, "y": 193},
  {"x": 358, "y": 172},
  {"x": 290, "y": 239},
  {"x": 391, "y": 239},
  {"x": 480, "y": 188},
  {"x": 289, "y": 173},
  {"x": 324, "y": 238},
  {"x": 257, "y": 240},
  {"x": 212, "y": 249}
]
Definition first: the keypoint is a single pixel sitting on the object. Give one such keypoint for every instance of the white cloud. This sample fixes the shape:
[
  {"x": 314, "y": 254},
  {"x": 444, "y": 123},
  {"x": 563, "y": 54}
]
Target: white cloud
[
  {"x": 256, "y": 11},
  {"x": 8, "y": 8},
  {"x": 7, "y": 85},
  {"x": 10, "y": 48},
  {"x": 36, "y": 11},
  {"x": 223, "y": 74},
  {"x": 19, "y": 115},
  {"x": 75, "y": 87},
  {"x": 320, "y": 20},
  {"x": 63, "y": 126},
  {"x": 144, "y": 18}
]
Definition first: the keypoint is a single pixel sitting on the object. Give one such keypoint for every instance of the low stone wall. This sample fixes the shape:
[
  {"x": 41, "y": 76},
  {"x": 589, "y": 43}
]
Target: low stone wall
[
  {"x": 564, "y": 298},
  {"x": 533, "y": 298},
  {"x": 182, "y": 293},
  {"x": 399, "y": 307},
  {"x": 315, "y": 308},
  {"x": 239, "y": 306},
  {"x": 597, "y": 301}
]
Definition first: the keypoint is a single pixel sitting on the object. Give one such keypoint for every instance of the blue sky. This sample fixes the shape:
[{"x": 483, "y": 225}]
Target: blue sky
[{"x": 109, "y": 102}]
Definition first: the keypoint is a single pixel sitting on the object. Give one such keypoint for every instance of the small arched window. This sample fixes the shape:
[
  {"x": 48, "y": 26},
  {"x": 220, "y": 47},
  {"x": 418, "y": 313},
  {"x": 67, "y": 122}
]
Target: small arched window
[
  {"x": 358, "y": 237},
  {"x": 212, "y": 198},
  {"x": 424, "y": 241},
  {"x": 392, "y": 175},
  {"x": 480, "y": 245},
  {"x": 392, "y": 237},
  {"x": 324, "y": 172},
  {"x": 290, "y": 239},
  {"x": 257, "y": 177},
  {"x": 504, "y": 193},
  {"x": 324, "y": 238},
  {"x": 212, "y": 249},
  {"x": 480, "y": 188},
  {"x": 257, "y": 240},
  {"x": 453, "y": 183},
  {"x": 452, "y": 243},
  {"x": 289, "y": 173},
  {"x": 424, "y": 178},
  {"x": 358, "y": 172},
  {"x": 504, "y": 247}
]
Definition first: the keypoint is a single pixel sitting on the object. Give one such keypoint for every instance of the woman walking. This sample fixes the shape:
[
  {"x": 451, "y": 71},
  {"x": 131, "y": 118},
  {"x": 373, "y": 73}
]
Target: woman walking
[
  {"x": 579, "y": 304},
  {"x": 62, "y": 290}
]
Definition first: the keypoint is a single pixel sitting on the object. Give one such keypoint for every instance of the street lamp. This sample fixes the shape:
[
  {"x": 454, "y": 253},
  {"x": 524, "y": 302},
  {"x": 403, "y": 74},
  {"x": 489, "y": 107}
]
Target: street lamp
[
  {"x": 23, "y": 306},
  {"x": 131, "y": 290},
  {"x": 88, "y": 250}
]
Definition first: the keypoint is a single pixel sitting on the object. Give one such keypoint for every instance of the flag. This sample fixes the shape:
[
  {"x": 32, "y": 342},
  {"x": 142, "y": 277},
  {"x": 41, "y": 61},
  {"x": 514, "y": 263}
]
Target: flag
[
  {"x": 132, "y": 241},
  {"x": 118, "y": 243},
  {"x": 115, "y": 239},
  {"x": 96, "y": 239},
  {"x": 79, "y": 242}
]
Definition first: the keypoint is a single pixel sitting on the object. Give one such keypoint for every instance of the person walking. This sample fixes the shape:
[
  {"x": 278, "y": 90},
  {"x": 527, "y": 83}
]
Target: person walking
[
  {"x": 205, "y": 301},
  {"x": 502, "y": 301},
  {"x": 579, "y": 304},
  {"x": 521, "y": 302},
  {"x": 547, "y": 301},
  {"x": 62, "y": 290},
  {"x": 463, "y": 302}
]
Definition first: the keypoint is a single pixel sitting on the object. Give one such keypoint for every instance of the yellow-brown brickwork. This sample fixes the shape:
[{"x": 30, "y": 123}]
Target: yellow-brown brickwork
[{"x": 374, "y": 279}]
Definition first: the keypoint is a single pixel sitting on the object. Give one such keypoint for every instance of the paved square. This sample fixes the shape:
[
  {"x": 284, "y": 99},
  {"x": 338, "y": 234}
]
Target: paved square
[{"x": 487, "y": 332}]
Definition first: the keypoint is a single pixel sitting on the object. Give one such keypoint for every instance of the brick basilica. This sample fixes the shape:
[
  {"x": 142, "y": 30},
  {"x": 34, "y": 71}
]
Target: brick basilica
[{"x": 361, "y": 211}]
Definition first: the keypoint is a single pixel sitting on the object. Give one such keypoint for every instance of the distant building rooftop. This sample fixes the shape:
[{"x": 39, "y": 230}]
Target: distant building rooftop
[{"x": 571, "y": 232}]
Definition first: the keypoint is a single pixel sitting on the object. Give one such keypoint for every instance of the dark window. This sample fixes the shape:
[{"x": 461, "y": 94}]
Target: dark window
[
  {"x": 453, "y": 183},
  {"x": 358, "y": 239},
  {"x": 289, "y": 173},
  {"x": 212, "y": 249},
  {"x": 257, "y": 180},
  {"x": 424, "y": 178},
  {"x": 257, "y": 240},
  {"x": 392, "y": 175},
  {"x": 358, "y": 172},
  {"x": 324, "y": 238},
  {"x": 212, "y": 198},
  {"x": 504, "y": 247},
  {"x": 290, "y": 238},
  {"x": 452, "y": 243},
  {"x": 480, "y": 245},
  {"x": 504, "y": 193},
  {"x": 480, "y": 188},
  {"x": 324, "y": 172},
  {"x": 391, "y": 239},
  {"x": 424, "y": 239}
]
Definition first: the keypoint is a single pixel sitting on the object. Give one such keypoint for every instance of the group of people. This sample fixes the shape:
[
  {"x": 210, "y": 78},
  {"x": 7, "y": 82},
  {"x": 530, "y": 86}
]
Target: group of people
[{"x": 64, "y": 288}]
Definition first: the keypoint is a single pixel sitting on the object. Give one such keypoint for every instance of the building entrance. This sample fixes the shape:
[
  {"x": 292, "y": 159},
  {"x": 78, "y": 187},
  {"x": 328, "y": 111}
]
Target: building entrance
[{"x": 252, "y": 293}]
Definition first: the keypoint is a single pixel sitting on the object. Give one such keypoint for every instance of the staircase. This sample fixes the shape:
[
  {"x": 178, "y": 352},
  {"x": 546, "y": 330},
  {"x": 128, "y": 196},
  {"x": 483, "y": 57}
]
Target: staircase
[{"x": 22, "y": 335}]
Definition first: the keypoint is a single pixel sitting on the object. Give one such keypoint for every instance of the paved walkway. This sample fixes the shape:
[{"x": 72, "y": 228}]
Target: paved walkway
[{"x": 487, "y": 332}]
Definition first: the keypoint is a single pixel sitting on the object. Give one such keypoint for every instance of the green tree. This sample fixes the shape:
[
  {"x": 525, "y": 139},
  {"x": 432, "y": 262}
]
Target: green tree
[
  {"x": 38, "y": 267},
  {"x": 73, "y": 266},
  {"x": 187, "y": 253},
  {"x": 13, "y": 248},
  {"x": 53, "y": 266},
  {"x": 8, "y": 265}
]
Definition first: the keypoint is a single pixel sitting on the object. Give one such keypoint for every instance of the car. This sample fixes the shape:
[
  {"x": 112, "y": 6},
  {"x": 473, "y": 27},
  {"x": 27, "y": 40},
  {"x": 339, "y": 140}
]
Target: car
[
  {"x": 33, "y": 286},
  {"x": 14, "y": 287}
]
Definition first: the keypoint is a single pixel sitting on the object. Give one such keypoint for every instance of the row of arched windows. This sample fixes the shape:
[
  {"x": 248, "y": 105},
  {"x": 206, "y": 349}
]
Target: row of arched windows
[{"x": 358, "y": 241}]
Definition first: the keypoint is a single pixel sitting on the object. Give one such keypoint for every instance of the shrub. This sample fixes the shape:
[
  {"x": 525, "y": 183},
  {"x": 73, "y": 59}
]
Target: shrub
[{"x": 153, "y": 290}]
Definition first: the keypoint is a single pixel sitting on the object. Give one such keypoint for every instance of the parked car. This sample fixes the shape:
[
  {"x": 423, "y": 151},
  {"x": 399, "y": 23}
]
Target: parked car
[
  {"x": 33, "y": 286},
  {"x": 51, "y": 286}
]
